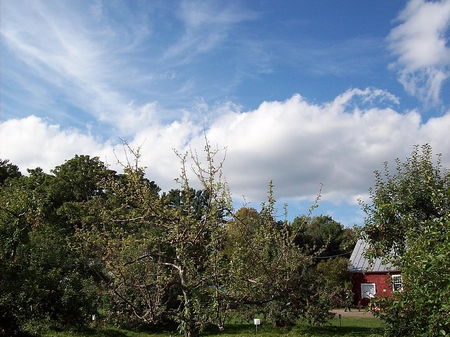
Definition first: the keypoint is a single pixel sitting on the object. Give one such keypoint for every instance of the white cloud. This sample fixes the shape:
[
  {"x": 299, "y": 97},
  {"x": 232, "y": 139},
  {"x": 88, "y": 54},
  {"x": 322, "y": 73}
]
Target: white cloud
[
  {"x": 296, "y": 143},
  {"x": 31, "y": 142},
  {"x": 206, "y": 26},
  {"x": 421, "y": 44},
  {"x": 301, "y": 145},
  {"x": 97, "y": 59}
]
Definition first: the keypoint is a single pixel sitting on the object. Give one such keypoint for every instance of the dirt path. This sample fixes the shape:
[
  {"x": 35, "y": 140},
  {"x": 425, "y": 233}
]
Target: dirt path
[{"x": 353, "y": 313}]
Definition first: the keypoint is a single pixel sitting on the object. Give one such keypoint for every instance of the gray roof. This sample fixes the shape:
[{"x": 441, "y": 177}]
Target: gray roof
[{"x": 359, "y": 264}]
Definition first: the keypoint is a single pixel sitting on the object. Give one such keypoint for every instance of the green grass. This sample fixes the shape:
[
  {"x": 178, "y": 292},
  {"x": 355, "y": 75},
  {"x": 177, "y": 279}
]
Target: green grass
[{"x": 351, "y": 327}]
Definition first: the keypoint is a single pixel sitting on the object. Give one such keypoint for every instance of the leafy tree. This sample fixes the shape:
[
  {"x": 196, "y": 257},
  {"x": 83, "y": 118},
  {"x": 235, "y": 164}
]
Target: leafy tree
[
  {"x": 79, "y": 179},
  {"x": 14, "y": 229},
  {"x": 241, "y": 229},
  {"x": 8, "y": 170},
  {"x": 331, "y": 245},
  {"x": 408, "y": 224},
  {"x": 325, "y": 231},
  {"x": 43, "y": 279},
  {"x": 173, "y": 258},
  {"x": 161, "y": 255},
  {"x": 270, "y": 272},
  {"x": 323, "y": 235},
  {"x": 84, "y": 236},
  {"x": 334, "y": 280}
]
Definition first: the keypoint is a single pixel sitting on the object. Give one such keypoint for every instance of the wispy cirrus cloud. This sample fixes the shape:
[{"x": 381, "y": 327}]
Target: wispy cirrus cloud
[
  {"x": 206, "y": 25},
  {"x": 73, "y": 60},
  {"x": 420, "y": 43},
  {"x": 94, "y": 61}
]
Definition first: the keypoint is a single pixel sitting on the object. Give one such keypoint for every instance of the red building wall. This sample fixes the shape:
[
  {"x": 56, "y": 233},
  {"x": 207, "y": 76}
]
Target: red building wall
[{"x": 383, "y": 285}]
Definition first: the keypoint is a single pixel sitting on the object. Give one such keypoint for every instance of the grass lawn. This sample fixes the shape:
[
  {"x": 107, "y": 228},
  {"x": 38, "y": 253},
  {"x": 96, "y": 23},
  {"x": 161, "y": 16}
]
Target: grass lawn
[{"x": 351, "y": 327}]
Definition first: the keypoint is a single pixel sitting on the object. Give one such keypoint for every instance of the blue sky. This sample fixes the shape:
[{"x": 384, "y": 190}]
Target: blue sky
[{"x": 301, "y": 92}]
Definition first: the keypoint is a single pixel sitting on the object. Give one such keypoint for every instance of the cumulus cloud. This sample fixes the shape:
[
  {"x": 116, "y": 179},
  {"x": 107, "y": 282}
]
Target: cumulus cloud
[
  {"x": 300, "y": 145},
  {"x": 420, "y": 43},
  {"x": 32, "y": 142},
  {"x": 295, "y": 143}
]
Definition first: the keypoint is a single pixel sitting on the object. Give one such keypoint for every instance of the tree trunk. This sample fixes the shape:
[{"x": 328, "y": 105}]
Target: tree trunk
[{"x": 191, "y": 328}]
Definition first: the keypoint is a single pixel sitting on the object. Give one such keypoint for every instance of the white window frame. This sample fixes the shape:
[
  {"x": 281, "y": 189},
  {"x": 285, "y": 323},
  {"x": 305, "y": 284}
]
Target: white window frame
[
  {"x": 397, "y": 283},
  {"x": 367, "y": 293}
]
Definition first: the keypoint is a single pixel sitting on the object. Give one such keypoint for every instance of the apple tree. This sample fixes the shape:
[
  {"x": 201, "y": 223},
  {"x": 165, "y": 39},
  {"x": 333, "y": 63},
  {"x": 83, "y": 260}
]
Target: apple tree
[{"x": 408, "y": 224}]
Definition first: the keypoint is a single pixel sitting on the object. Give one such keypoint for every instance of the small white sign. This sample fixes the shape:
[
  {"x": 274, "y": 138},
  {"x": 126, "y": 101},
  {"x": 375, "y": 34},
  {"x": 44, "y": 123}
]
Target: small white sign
[{"x": 257, "y": 321}]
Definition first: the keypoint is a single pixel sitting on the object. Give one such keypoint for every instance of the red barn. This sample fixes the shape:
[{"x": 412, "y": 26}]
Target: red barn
[{"x": 371, "y": 278}]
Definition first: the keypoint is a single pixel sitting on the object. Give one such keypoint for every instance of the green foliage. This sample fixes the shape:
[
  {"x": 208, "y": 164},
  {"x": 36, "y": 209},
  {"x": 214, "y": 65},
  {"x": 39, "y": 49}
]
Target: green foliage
[
  {"x": 85, "y": 240},
  {"x": 406, "y": 205},
  {"x": 42, "y": 278},
  {"x": 270, "y": 272},
  {"x": 330, "y": 244},
  {"x": 242, "y": 228},
  {"x": 408, "y": 223},
  {"x": 185, "y": 257},
  {"x": 334, "y": 280},
  {"x": 8, "y": 171},
  {"x": 323, "y": 235},
  {"x": 159, "y": 257}
]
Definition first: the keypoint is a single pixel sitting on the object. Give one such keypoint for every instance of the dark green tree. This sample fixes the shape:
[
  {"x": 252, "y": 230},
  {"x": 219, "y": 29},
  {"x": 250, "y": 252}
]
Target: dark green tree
[
  {"x": 44, "y": 280},
  {"x": 324, "y": 236},
  {"x": 8, "y": 170}
]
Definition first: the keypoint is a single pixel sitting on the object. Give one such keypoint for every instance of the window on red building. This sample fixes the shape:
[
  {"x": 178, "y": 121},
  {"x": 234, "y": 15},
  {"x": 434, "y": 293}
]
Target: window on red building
[
  {"x": 397, "y": 283},
  {"x": 368, "y": 290}
]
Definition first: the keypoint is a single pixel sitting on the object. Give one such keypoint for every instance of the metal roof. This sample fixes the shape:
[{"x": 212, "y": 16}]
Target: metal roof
[{"x": 359, "y": 264}]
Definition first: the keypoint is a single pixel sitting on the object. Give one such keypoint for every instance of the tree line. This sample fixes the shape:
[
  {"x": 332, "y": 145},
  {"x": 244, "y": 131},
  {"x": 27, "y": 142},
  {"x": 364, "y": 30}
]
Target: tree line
[{"x": 84, "y": 245}]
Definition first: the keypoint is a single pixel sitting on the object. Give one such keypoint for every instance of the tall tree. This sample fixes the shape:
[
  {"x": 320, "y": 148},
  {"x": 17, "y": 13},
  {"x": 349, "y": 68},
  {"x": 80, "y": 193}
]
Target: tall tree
[
  {"x": 161, "y": 255},
  {"x": 43, "y": 278},
  {"x": 333, "y": 279},
  {"x": 408, "y": 224}
]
